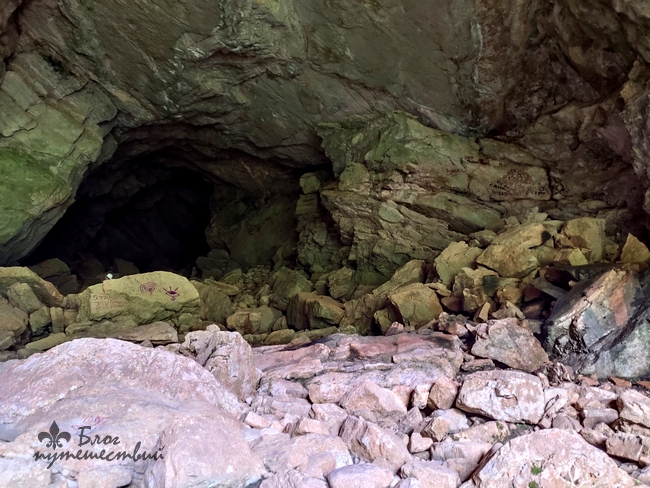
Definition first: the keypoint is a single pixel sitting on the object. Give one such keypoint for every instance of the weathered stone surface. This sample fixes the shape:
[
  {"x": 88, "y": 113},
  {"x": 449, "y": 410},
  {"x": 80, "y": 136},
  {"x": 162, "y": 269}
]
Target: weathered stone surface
[
  {"x": 442, "y": 394},
  {"x": 253, "y": 321},
  {"x": 368, "y": 396},
  {"x": 416, "y": 304},
  {"x": 147, "y": 297},
  {"x": 215, "y": 304},
  {"x": 44, "y": 291},
  {"x": 361, "y": 475},
  {"x": 453, "y": 258},
  {"x": 12, "y": 320},
  {"x": 550, "y": 458},
  {"x": 169, "y": 398},
  {"x": 510, "y": 343},
  {"x": 21, "y": 296},
  {"x": 158, "y": 333},
  {"x": 587, "y": 233},
  {"x": 285, "y": 284},
  {"x": 512, "y": 396},
  {"x": 431, "y": 474},
  {"x": 311, "y": 311},
  {"x": 510, "y": 253},
  {"x": 370, "y": 442},
  {"x": 227, "y": 356},
  {"x": 597, "y": 326},
  {"x": 634, "y": 407},
  {"x": 39, "y": 320},
  {"x": 634, "y": 251}
]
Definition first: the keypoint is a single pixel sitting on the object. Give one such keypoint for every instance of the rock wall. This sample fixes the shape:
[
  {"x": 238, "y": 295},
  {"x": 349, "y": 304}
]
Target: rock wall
[{"x": 242, "y": 91}]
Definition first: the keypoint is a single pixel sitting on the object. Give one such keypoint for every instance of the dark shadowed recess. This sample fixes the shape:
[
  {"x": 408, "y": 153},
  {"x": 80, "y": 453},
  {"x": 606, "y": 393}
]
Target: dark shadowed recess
[{"x": 152, "y": 215}]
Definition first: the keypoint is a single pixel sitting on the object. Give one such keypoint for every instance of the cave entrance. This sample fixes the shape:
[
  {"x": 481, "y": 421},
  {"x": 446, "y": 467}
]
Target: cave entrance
[
  {"x": 176, "y": 210},
  {"x": 151, "y": 216}
]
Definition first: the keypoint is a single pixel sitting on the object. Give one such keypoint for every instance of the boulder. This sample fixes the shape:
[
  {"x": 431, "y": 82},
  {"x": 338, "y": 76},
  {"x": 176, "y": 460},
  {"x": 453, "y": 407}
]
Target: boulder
[
  {"x": 311, "y": 311},
  {"x": 431, "y": 474},
  {"x": 600, "y": 326},
  {"x": 587, "y": 233},
  {"x": 370, "y": 442},
  {"x": 453, "y": 258},
  {"x": 285, "y": 283},
  {"x": 253, "y": 320},
  {"x": 416, "y": 304},
  {"x": 634, "y": 251},
  {"x": 510, "y": 253},
  {"x": 369, "y": 397},
  {"x": 227, "y": 356},
  {"x": 12, "y": 319},
  {"x": 215, "y": 303},
  {"x": 508, "y": 342},
  {"x": 552, "y": 457},
  {"x": 512, "y": 396},
  {"x": 362, "y": 475},
  {"x": 21, "y": 296},
  {"x": 147, "y": 298},
  {"x": 39, "y": 320},
  {"x": 158, "y": 333},
  {"x": 170, "y": 398},
  {"x": 44, "y": 290}
]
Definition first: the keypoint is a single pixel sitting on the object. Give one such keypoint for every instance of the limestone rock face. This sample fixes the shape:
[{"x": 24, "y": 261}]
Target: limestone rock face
[
  {"x": 512, "y": 396},
  {"x": 170, "y": 398},
  {"x": 508, "y": 342},
  {"x": 600, "y": 327},
  {"x": 146, "y": 298},
  {"x": 242, "y": 95},
  {"x": 549, "y": 458}
]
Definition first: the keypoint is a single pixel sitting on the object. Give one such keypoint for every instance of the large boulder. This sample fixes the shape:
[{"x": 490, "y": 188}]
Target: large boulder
[
  {"x": 173, "y": 406},
  {"x": 147, "y": 297},
  {"x": 552, "y": 457},
  {"x": 600, "y": 327}
]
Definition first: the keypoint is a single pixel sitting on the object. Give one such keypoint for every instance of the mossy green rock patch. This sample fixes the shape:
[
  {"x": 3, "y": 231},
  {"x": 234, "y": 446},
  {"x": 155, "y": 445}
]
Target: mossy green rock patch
[{"x": 147, "y": 297}]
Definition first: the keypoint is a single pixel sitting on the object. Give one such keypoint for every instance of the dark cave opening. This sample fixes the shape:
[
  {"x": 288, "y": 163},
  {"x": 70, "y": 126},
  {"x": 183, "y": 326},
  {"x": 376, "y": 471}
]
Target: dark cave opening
[
  {"x": 152, "y": 216},
  {"x": 175, "y": 206}
]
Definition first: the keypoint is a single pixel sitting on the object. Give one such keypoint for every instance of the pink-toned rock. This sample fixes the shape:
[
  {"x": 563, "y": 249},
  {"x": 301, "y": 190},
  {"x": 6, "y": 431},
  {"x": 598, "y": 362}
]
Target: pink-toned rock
[
  {"x": 370, "y": 442},
  {"x": 256, "y": 421},
  {"x": 507, "y": 342},
  {"x": 331, "y": 414},
  {"x": 431, "y": 474},
  {"x": 593, "y": 416},
  {"x": 169, "y": 398},
  {"x": 437, "y": 429},
  {"x": 293, "y": 479},
  {"x": 268, "y": 358},
  {"x": 369, "y": 396},
  {"x": 629, "y": 446},
  {"x": 283, "y": 452},
  {"x": 311, "y": 426},
  {"x": 227, "y": 356},
  {"x": 329, "y": 387},
  {"x": 417, "y": 443},
  {"x": 551, "y": 458},
  {"x": 598, "y": 435},
  {"x": 361, "y": 475},
  {"x": 489, "y": 432},
  {"x": 450, "y": 449},
  {"x": 442, "y": 394},
  {"x": 512, "y": 396},
  {"x": 634, "y": 407},
  {"x": 420, "y": 396}
]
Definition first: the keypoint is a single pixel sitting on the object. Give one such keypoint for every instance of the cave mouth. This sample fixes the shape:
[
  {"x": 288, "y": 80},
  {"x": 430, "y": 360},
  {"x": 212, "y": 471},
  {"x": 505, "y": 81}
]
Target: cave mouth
[
  {"x": 151, "y": 216},
  {"x": 177, "y": 208}
]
